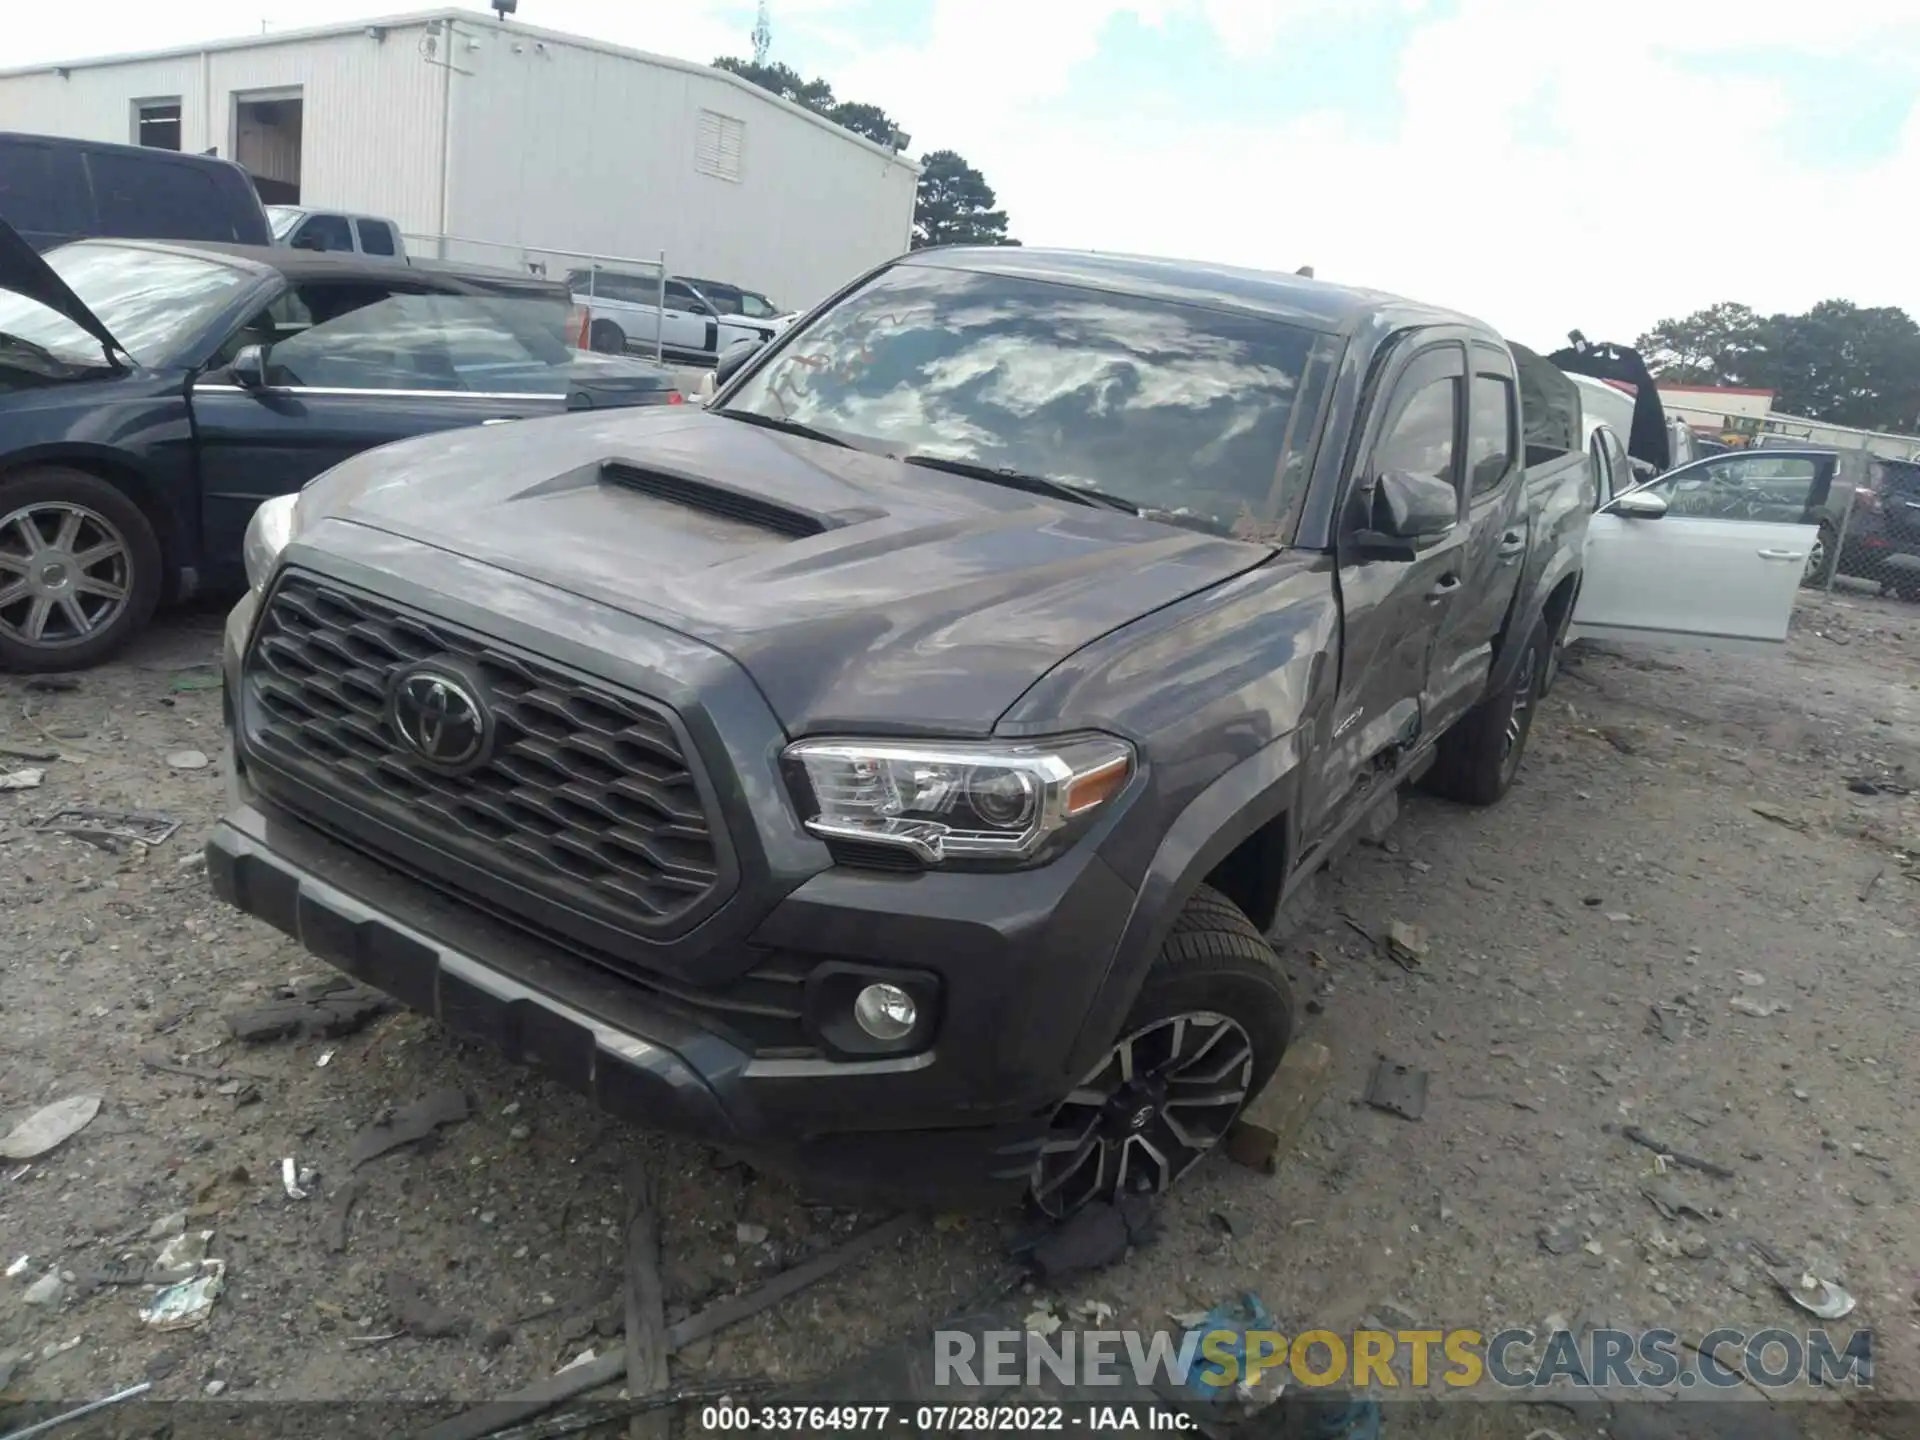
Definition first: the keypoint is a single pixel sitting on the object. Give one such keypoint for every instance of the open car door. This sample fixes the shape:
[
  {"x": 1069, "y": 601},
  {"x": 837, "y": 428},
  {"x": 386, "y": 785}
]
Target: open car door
[{"x": 1709, "y": 555}]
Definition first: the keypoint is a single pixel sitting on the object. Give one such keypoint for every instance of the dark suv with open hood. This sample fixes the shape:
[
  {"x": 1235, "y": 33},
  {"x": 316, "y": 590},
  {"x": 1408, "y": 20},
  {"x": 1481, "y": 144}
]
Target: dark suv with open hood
[{"x": 892, "y": 769}]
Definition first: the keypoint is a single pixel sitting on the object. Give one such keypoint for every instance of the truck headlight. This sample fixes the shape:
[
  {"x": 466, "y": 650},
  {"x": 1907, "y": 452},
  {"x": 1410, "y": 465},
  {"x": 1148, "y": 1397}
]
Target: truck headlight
[
  {"x": 268, "y": 532},
  {"x": 957, "y": 800}
]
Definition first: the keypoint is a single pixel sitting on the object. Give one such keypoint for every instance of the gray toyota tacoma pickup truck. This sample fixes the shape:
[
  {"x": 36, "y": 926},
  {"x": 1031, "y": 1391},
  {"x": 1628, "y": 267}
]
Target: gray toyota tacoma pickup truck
[{"x": 890, "y": 771}]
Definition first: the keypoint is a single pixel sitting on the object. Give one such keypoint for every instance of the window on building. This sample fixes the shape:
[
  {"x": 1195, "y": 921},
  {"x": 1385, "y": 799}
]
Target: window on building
[
  {"x": 156, "y": 123},
  {"x": 719, "y": 145}
]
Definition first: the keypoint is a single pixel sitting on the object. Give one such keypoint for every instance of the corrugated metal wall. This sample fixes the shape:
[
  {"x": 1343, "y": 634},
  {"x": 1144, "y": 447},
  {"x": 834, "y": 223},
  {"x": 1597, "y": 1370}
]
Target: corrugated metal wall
[
  {"x": 372, "y": 109},
  {"x": 562, "y": 147}
]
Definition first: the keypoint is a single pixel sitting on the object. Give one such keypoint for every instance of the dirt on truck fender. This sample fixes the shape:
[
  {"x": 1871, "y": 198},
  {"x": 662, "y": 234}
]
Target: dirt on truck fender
[{"x": 893, "y": 769}]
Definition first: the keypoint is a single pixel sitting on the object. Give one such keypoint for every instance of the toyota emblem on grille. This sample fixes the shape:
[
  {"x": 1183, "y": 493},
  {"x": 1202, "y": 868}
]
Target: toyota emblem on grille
[{"x": 441, "y": 718}]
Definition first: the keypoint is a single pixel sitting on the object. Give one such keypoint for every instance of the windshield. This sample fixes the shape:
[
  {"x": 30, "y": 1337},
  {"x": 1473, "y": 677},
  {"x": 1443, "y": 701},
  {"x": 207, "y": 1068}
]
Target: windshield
[
  {"x": 756, "y": 306},
  {"x": 281, "y": 219},
  {"x": 1171, "y": 407},
  {"x": 150, "y": 300}
]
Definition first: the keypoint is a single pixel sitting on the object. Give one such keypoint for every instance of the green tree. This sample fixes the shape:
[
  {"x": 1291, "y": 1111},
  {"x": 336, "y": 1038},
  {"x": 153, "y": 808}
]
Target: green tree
[
  {"x": 817, "y": 95},
  {"x": 1837, "y": 362},
  {"x": 955, "y": 205},
  {"x": 1725, "y": 344}
]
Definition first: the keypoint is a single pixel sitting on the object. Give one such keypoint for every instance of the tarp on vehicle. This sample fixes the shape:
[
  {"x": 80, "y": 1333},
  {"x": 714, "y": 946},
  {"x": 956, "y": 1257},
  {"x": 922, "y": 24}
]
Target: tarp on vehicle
[
  {"x": 1550, "y": 402},
  {"x": 1623, "y": 365}
]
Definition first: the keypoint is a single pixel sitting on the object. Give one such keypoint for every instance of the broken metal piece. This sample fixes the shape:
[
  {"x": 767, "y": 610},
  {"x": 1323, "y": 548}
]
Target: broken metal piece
[
  {"x": 145, "y": 827},
  {"x": 1398, "y": 1089},
  {"x": 407, "y": 1125}
]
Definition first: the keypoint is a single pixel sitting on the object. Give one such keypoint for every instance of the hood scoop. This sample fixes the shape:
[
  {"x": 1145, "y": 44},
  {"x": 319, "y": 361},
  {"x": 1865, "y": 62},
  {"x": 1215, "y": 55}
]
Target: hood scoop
[{"x": 715, "y": 497}]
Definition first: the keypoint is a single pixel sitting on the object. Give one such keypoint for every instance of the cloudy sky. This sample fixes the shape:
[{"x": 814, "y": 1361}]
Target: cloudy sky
[{"x": 1542, "y": 163}]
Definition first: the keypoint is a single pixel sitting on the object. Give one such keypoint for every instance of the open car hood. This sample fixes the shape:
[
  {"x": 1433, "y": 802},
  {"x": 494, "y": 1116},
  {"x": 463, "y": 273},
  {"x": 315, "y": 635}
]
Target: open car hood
[
  {"x": 25, "y": 273},
  {"x": 1623, "y": 365}
]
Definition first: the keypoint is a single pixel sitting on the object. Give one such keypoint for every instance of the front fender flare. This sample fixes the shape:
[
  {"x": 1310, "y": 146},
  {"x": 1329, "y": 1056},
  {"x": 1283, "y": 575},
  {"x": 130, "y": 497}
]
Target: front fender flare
[
  {"x": 1242, "y": 800},
  {"x": 1520, "y": 623}
]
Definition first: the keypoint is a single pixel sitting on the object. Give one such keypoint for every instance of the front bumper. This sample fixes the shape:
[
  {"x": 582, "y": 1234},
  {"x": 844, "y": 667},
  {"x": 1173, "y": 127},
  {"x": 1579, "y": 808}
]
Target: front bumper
[{"x": 600, "y": 1035}]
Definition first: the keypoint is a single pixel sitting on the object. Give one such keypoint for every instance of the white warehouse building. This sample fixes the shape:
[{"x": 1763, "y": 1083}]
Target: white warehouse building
[{"x": 507, "y": 144}]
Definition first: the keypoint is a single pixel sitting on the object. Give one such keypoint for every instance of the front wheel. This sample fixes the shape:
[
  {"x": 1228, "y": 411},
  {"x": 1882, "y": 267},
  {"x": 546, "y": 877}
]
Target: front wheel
[
  {"x": 1210, "y": 1025},
  {"x": 1477, "y": 759},
  {"x": 79, "y": 570}
]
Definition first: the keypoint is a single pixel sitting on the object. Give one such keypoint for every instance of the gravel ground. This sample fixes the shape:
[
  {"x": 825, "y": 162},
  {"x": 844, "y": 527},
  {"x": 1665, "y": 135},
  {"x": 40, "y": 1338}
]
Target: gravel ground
[{"x": 1598, "y": 948}]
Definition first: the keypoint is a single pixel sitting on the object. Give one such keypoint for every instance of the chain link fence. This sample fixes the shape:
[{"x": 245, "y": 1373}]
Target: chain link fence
[{"x": 1870, "y": 533}]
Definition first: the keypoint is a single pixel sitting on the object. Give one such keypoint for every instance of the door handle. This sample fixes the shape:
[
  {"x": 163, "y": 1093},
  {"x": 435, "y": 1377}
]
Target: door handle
[
  {"x": 1513, "y": 545},
  {"x": 1446, "y": 585},
  {"x": 1783, "y": 554}
]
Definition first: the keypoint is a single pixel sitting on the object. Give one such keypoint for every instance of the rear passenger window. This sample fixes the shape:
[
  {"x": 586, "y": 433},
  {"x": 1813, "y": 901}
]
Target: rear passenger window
[
  {"x": 1490, "y": 433},
  {"x": 1421, "y": 438},
  {"x": 139, "y": 199},
  {"x": 376, "y": 236},
  {"x": 324, "y": 232}
]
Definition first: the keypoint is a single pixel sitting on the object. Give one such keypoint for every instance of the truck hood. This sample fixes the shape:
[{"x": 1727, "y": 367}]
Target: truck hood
[
  {"x": 859, "y": 593},
  {"x": 25, "y": 273}
]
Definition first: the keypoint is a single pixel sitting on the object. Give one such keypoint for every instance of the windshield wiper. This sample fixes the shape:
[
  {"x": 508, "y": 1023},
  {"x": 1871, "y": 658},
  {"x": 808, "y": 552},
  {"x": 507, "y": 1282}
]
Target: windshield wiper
[
  {"x": 789, "y": 427},
  {"x": 1020, "y": 480}
]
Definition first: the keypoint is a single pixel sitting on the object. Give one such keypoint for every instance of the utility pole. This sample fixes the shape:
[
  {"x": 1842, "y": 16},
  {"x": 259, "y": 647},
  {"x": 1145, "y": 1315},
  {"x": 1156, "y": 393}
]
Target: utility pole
[{"x": 762, "y": 35}]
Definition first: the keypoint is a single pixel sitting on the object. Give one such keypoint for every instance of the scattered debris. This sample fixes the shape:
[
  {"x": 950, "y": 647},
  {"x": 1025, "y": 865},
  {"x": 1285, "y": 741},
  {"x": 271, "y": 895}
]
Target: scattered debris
[
  {"x": 1867, "y": 785},
  {"x": 645, "y": 1304},
  {"x": 579, "y": 1378},
  {"x": 48, "y": 1291},
  {"x": 144, "y": 827},
  {"x": 408, "y": 1125},
  {"x": 1406, "y": 944},
  {"x": 18, "y": 1267},
  {"x": 1750, "y": 977},
  {"x": 1668, "y": 1199},
  {"x": 50, "y": 1127},
  {"x": 748, "y": 1234},
  {"x": 180, "y": 1258},
  {"x": 1778, "y": 816},
  {"x": 1398, "y": 1089},
  {"x": 1678, "y": 1157},
  {"x": 1558, "y": 1239},
  {"x": 292, "y": 1180},
  {"x": 1093, "y": 1237},
  {"x": 339, "y": 1211},
  {"x": 1669, "y": 1022},
  {"x": 326, "y": 1059},
  {"x": 328, "y": 1009},
  {"x": 1759, "y": 1009},
  {"x": 67, "y": 1416},
  {"x": 1094, "y": 1312},
  {"x": 416, "y": 1313},
  {"x": 1041, "y": 1321},
  {"x": 1238, "y": 1319},
  {"x": 22, "y": 779},
  {"x": 188, "y": 760},
  {"x": 1265, "y": 1131},
  {"x": 1817, "y": 1297},
  {"x": 188, "y": 1304},
  {"x": 1866, "y": 890},
  {"x": 53, "y": 684}
]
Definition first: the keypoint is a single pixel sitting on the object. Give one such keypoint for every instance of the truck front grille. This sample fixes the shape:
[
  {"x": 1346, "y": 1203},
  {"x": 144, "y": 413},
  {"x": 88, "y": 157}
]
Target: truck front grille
[{"x": 587, "y": 799}]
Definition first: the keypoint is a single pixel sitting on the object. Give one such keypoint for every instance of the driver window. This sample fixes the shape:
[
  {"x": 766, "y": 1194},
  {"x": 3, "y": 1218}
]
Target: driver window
[
  {"x": 1744, "y": 487},
  {"x": 1422, "y": 437}
]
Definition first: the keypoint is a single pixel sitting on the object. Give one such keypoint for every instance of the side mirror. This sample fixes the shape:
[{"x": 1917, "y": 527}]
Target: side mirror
[
  {"x": 249, "y": 367},
  {"x": 728, "y": 365},
  {"x": 1410, "y": 513},
  {"x": 1638, "y": 505},
  {"x": 699, "y": 307}
]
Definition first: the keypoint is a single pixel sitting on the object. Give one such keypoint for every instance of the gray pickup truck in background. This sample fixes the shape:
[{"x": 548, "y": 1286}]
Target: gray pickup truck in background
[{"x": 891, "y": 771}]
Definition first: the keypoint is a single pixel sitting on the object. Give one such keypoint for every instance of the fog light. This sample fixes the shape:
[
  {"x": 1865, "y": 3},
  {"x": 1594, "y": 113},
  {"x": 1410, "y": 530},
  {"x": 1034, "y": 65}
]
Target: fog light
[{"x": 886, "y": 1012}]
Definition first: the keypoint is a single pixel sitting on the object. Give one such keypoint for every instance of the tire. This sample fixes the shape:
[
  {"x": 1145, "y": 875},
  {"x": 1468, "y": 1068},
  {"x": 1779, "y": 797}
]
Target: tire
[
  {"x": 607, "y": 337},
  {"x": 1478, "y": 758},
  {"x": 60, "y": 610},
  {"x": 1822, "y": 558},
  {"x": 1217, "y": 1006}
]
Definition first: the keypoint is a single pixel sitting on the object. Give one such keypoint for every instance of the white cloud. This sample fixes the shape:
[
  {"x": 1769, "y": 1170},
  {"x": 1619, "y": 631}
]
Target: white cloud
[{"x": 1552, "y": 165}]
